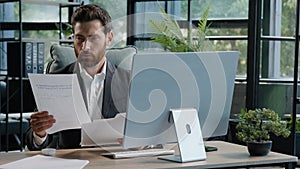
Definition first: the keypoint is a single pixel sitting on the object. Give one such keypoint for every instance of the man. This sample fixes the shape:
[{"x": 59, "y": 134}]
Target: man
[{"x": 104, "y": 87}]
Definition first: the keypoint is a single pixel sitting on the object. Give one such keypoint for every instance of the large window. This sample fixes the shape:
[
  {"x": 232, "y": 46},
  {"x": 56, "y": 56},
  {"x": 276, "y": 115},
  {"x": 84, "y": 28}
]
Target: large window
[
  {"x": 228, "y": 20},
  {"x": 281, "y": 53},
  {"x": 118, "y": 11},
  {"x": 224, "y": 26},
  {"x": 229, "y": 29}
]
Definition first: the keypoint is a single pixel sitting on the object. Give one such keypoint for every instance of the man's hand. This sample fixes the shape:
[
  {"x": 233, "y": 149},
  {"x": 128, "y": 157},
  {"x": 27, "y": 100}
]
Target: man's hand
[{"x": 40, "y": 122}]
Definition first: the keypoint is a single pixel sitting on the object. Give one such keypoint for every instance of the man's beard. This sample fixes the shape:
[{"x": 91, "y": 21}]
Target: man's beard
[{"x": 88, "y": 62}]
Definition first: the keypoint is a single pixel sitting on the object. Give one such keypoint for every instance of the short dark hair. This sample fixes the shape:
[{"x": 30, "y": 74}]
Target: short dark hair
[{"x": 90, "y": 12}]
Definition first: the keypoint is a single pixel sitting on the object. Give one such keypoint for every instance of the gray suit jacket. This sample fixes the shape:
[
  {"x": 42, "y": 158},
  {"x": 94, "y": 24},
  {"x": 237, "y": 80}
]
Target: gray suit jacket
[{"x": 116, "y": 86}]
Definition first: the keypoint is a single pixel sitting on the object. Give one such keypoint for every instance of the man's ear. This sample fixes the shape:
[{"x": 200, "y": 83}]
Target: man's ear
[{"x": 109, "y": 38}]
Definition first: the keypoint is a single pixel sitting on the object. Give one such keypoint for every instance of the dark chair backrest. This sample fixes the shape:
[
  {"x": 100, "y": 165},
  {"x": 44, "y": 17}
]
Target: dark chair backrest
[{"x": 62, "y": 55}]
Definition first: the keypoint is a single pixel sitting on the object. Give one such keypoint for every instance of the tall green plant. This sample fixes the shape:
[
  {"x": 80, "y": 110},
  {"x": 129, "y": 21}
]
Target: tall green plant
[{"x": 170, "y": 37}]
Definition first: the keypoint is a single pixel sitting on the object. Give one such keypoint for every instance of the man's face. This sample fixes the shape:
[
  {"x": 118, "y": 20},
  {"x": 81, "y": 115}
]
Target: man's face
[{"x": 90, "y": 42}]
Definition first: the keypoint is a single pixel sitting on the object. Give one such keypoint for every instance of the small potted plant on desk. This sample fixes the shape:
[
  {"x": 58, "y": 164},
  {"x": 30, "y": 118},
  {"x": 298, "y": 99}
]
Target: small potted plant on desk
[{"x": 254, "y": 129}]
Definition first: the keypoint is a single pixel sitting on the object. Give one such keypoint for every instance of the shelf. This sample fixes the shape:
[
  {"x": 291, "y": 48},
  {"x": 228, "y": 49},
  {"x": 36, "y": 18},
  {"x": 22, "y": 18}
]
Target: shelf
[
  {"x": 45, "y": 2},
  {"x": 52, "y": 3},
  {"x": 30, "y": 25},
  {"x": 5, "y": 1},
  {"x": 17, "y": 88},
  {"x": 8, "y": 39}
]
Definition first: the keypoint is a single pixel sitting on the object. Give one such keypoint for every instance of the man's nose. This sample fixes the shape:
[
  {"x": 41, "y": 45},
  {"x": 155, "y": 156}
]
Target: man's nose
[{"x": 86, "y": 44}]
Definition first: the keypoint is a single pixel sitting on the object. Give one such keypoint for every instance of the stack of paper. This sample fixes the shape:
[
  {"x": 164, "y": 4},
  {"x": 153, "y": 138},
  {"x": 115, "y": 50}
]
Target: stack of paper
[{"x": 45, "y": 162}]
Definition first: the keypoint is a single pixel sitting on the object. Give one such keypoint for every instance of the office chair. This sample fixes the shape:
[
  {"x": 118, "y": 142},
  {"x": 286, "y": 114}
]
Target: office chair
[{"x": 62, "y": 55}]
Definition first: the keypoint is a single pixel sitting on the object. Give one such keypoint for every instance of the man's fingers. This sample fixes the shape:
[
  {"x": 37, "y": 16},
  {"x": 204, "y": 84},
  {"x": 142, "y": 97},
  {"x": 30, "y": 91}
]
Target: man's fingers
[
  {"x": 41, "y": 119},
  {"x": 42, "y": 127},
  {"x": 42, "y": 122},
  {"x": 39, "y": 114}
]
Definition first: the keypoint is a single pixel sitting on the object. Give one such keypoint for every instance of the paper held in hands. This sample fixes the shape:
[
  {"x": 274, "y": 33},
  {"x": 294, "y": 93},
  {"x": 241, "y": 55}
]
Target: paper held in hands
[
  {"x": 61, "y": 96},
  {"x": 110, "y": 131}
]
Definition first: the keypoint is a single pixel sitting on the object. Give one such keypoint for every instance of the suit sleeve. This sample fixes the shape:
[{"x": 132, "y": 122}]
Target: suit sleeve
[{"x": 51, "y": 141}]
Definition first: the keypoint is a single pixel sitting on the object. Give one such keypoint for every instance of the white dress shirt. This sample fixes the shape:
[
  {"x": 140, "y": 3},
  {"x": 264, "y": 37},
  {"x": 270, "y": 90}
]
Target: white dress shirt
[{"x": 93, "y": 94}]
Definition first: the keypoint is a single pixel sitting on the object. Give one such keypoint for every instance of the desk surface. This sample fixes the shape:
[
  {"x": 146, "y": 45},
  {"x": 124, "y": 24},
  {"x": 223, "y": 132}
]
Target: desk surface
[{"x": 228, "y": 155}]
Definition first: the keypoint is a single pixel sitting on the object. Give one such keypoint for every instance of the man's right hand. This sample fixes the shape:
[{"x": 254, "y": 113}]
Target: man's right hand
[{"x": 40, "y": 122}]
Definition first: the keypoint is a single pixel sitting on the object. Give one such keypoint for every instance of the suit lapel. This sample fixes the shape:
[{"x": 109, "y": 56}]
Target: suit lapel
[{"x": 107, "y": 99}]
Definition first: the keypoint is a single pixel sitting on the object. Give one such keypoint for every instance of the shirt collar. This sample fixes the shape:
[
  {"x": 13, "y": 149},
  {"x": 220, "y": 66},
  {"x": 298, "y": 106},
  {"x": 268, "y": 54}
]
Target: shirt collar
[{"x": 84, "y": 73}]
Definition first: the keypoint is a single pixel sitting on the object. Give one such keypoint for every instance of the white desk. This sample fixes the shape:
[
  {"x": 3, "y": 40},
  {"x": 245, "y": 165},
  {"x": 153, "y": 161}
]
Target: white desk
[{"x": 228, "y": 155}]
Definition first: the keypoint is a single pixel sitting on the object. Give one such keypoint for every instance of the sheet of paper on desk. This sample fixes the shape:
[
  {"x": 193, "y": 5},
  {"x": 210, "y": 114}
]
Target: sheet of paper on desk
[
  {"x": 61, "y": 96},
  {"x": 103, "y": 131},
  {"x": 45, "y": 162}
]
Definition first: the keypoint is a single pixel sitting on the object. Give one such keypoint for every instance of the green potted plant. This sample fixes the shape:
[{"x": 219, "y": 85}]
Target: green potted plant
[
  {"x": 170, "y": 36},
  {"x": 254, "y": 129}
]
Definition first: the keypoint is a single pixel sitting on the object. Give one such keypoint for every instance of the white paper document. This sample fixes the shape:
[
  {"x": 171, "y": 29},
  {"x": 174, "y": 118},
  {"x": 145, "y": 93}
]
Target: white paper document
[
  {"x": 103, "y": 131},
  {"x": 45, "y": 162},
  {"x": 61, "y": 96}
]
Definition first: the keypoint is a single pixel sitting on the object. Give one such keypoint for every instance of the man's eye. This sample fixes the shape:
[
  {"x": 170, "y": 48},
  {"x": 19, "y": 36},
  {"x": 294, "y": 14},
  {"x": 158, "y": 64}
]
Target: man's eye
[
  {"x": 93, "y": 38},
  {"x": 79, "y": 39}
]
